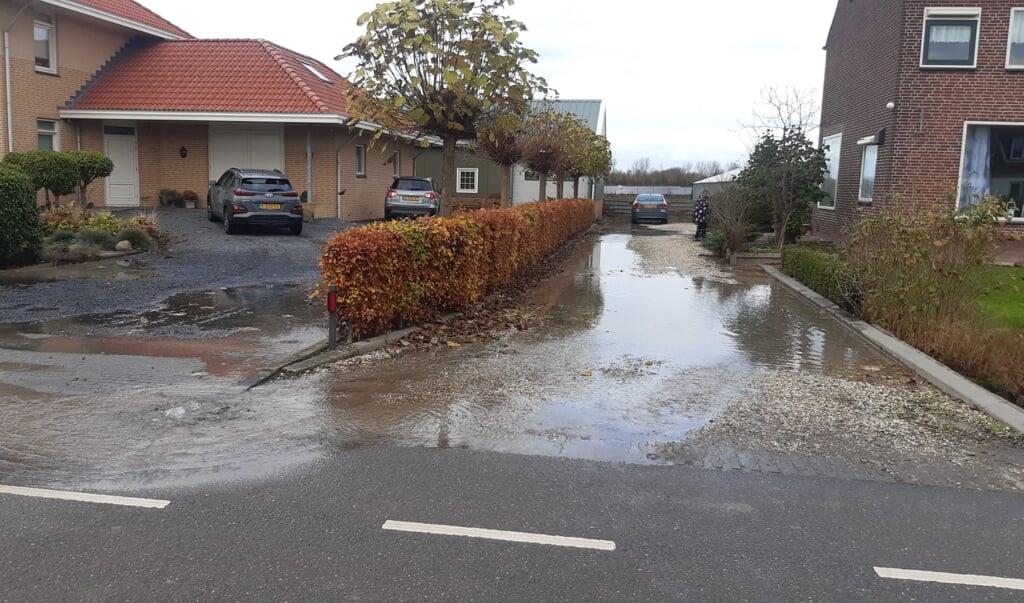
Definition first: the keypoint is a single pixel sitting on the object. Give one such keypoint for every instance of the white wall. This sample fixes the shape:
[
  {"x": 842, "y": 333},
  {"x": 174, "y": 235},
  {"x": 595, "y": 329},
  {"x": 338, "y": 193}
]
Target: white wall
[{"x": 525, "y": 191}]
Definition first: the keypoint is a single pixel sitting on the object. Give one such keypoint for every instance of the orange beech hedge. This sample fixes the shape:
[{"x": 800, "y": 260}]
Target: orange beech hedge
[{"x": 389, "y": 273}]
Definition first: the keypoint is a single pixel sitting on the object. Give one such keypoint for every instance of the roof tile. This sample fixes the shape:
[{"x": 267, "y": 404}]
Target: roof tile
[
  {"x": 128, "y": 9},
  {"x": 236, "y": 76}
]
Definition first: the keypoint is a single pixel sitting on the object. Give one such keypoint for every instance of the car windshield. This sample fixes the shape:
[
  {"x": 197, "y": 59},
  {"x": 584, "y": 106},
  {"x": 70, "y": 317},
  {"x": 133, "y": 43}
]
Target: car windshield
[
  {"x": 266, "y": 185},
  {"x": 413, "y": 185}
]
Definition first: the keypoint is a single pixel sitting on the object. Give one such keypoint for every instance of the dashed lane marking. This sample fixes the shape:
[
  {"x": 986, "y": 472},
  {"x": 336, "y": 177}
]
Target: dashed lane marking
[
  {"x": 443, "y": 530},
  {"x": 124, "y": 501},
  {"x": 947, "y": 578}
]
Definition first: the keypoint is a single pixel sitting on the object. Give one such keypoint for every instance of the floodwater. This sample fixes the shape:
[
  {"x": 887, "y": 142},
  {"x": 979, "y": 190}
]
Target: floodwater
[{"x": 625, "y": 362}]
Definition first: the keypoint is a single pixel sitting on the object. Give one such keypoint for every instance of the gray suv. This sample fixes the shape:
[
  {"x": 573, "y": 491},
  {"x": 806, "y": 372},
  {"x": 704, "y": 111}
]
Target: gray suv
[
  {"x": 258, "y": 197},
  {"x": 409, "y": 196}
]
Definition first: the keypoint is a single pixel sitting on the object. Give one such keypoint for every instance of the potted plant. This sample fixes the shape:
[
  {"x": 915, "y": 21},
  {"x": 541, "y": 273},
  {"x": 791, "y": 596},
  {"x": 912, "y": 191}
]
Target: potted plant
[{"x": 190, "y": 197}]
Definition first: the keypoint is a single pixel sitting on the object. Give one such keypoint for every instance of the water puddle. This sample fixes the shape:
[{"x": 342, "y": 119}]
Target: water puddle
[{"x": 626, "y": 362}]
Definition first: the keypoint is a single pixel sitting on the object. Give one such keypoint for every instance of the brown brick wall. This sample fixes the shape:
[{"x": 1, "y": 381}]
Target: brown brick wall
[
  {"x": 861, "y": 75},
  {"x": 83, "y": 46},
  {"x": 935, "y": 103},
  {"x": 873, "y": 57}
]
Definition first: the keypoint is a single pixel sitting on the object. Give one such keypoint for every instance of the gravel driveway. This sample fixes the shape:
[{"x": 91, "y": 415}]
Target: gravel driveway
[{"x": 201, "y": 257}]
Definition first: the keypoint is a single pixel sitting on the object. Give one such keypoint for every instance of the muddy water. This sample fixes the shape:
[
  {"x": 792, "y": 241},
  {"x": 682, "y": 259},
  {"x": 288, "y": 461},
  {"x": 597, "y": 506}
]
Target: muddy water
[{"x": 626, "y": 362}]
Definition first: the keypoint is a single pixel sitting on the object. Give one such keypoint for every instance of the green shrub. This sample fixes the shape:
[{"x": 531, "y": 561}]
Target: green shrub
[
  {"x": 821, "y": 272},
  {"x": 50, "y": 170},
  {"x": 138, "y": 238},
  {"x": 21, "y": 236},
  {"x": 60, "y": 237},
  {"x": 60, "y": 253},
  {"x": 105, "y": 221},
  {"x": 99, "y": 238},
  {"x": 90, "y": 166},
  {"x": 715, "y": 242}
]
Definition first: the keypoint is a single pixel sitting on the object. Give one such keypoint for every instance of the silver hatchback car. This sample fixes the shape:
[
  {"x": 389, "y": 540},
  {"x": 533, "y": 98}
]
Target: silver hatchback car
[
  {"x": 254, "y": 197},
  {"x": 409, "y": 196}
]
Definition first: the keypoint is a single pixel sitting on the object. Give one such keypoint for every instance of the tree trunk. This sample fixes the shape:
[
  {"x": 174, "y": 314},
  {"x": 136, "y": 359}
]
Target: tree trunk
[
  {"x": 448, "y": 176},
  {"x": 542, "y": 195},
  {"x": 506, "y": 185},
  {"x": 559, "y": 186}
]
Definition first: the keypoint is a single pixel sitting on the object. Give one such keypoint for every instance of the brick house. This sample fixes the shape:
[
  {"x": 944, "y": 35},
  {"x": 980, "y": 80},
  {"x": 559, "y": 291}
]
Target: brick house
[
  {"x": 176, "y": 112},
  {"x": 921, "y": 107}
]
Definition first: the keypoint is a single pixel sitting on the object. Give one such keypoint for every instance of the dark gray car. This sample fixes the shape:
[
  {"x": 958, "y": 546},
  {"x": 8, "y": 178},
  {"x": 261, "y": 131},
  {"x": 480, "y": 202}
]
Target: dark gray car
[
  {"x": 254, "y": 197},
  {"x": 650, "y": 207},
  {"x": 411, "y": 197}
]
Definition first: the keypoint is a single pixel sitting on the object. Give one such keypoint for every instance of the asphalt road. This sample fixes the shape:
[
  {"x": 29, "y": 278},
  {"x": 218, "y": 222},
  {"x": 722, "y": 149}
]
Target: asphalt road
[{"x": 679, "y": 534}]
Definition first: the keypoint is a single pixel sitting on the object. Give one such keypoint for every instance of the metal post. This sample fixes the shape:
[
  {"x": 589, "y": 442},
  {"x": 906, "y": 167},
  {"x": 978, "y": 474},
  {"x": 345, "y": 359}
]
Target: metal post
[{"x": 332, "y": 317}]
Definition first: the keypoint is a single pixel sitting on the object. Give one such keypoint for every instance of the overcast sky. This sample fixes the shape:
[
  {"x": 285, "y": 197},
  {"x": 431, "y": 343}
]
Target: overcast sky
[{"x": 679, "y": 76}]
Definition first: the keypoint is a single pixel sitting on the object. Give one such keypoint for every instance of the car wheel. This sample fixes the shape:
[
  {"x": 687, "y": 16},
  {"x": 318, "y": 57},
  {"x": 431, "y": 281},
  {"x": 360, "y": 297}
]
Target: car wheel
[
  {"x": 229, "y": 224},
  {"x": 296, "y": 229}
]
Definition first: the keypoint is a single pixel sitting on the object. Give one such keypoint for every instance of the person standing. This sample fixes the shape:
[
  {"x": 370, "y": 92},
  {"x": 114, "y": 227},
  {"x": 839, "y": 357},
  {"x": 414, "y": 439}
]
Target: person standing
[{"x": 700, "y": 215}]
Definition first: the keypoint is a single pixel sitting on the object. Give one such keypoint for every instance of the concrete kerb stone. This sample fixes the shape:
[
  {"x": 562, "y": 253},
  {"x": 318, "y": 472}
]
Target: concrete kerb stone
[{"x": 925, "y": 366}]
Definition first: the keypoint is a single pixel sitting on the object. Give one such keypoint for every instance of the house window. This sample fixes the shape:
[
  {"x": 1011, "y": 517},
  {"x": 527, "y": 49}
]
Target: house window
[
  {"x": 832, "y": 146},
  {"x": 396, "y": 164},
  {"x": 45, "y": 43},
  {"x": 867, "y": 173},
  {"x": 466, "y": 180},
  {"x": 319, "y": 74},
  {"x": 532, "y": 176},
  {"x": 950, "y": 37},
  {"x": 1017, "y": 148},
  {"x": 46, "y": 131},
  {"x": 360, "y": 160},
  {"x": 1015, "y": 52}
]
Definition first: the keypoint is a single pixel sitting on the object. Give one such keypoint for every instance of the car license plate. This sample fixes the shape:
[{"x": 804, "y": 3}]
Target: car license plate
[
  {"x": 411, "y": 198},
  {"x": 649, "y": 206},
  {"x": 270, "y": 206}
]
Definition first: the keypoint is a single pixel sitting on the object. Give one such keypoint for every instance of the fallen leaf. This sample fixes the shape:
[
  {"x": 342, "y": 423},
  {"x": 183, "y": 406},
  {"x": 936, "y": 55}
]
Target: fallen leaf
[
  {"x": 872, "y": 368},
  {"x": 453, "y": 344},
  {"x": 586, "y": 373}
]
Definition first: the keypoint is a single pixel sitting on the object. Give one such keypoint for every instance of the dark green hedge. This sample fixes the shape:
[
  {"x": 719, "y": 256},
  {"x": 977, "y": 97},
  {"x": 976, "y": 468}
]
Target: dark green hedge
[
  {"x": 820, "y": 271},
  {"x": 21, "y": 235}
]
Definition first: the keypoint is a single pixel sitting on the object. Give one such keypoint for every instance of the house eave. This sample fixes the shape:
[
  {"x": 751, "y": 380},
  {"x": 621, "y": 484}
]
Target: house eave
[
  {"x": 115, "y": 19},
  {"x": 207, "y": 116}
]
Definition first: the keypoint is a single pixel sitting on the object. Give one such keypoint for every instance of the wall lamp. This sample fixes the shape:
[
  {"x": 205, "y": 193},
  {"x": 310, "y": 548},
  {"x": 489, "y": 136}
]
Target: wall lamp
[{"x": 183, "y": 152}]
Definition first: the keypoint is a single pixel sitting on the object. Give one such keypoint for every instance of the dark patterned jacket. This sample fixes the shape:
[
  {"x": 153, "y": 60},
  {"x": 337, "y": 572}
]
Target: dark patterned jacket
[{"x": 700, "y": 210}]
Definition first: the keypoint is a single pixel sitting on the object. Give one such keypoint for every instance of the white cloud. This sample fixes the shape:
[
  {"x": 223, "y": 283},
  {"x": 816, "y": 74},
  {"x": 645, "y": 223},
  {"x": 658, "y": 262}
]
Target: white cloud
[{"x": 679, "y": 76}]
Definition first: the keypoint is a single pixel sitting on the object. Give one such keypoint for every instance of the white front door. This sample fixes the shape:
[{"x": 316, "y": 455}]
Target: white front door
[{"x": 123, "y": 182}]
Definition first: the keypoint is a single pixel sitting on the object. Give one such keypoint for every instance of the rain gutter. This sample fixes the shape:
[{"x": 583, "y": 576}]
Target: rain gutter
[{"x": 7, "y": 77}]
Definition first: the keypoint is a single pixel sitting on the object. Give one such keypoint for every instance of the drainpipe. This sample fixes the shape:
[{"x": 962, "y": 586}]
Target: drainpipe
[
  {"x": 309, "y": 163},
  {"x": 7, "y": 77}
]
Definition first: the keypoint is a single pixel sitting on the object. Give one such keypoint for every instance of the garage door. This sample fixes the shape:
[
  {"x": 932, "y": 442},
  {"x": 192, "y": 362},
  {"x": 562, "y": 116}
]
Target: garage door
[{"x": 245, "y": 148}]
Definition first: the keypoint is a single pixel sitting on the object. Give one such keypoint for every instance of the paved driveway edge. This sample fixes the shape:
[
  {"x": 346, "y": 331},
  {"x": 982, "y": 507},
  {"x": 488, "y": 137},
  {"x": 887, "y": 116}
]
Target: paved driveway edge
[{"x": 925, "y": 366}]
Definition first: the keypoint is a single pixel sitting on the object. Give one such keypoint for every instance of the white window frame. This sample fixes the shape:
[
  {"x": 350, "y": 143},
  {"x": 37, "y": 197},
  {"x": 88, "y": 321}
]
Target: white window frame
[
  {"x": 1014, "y": 12},
  {"x": 53, "y": 134},
  {"x": 396, "y": 164},
  {"x": 955, "y": 14},
  {"x": 52, "y": 29},
  {"x": 833, "y": 142},
  {"x": 863, "y": 162},
  {"x": 360, "y": 160},
  {"x": 319, "y": 74},
  {"x": 458, "y": 180}
]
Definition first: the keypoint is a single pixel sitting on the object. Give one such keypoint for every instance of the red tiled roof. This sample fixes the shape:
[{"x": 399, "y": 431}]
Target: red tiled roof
[
  {"x": 236, "y": 76},
  {"x": 128, "y": 9}
]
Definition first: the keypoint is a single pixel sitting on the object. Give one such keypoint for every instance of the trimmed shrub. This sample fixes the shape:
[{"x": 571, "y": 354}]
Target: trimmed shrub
[
  {"x": 21, "y": 236},
  {"x": 56, "y": 172},
  {"x": 821, "y": 272},
  {"x": 138, "y": 238},
  {"x": 90, "y": 166},
  {"x": 97, "y": 237},
  {"x": 390, "y": 273}
]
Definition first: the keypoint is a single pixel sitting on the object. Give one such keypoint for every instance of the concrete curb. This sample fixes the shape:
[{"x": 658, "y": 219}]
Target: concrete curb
[{"x": 925, "y": 366}]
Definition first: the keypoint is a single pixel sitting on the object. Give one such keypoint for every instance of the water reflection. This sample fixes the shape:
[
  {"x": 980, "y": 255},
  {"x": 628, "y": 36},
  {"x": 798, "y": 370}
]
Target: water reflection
[{"x": 625, "y": 362}]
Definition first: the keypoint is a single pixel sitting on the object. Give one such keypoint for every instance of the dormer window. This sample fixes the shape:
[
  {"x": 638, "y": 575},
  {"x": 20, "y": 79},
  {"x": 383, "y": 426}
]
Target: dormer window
[
  {"x": 45, "y": 44},
  {"x": 950, "y": 37},
  {"x": 320, "y": 76}
]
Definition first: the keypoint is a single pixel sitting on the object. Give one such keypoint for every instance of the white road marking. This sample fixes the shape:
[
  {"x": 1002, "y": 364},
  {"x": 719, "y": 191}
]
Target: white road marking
[
  {"x": 433, "y": 528},
  {"x": 946, "y": 578},
  {"x": 124, "y": 501}
]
